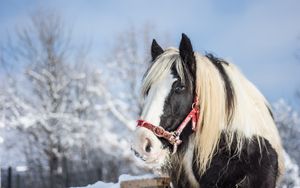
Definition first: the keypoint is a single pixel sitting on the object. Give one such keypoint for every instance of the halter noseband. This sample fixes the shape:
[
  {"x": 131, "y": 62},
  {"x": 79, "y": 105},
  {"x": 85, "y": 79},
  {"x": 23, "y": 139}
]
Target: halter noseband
[{"x": 174, "y": 136}]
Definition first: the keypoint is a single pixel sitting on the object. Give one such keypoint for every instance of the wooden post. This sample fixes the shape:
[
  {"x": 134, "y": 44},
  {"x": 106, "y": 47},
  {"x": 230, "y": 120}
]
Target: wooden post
[
  {"x": 161, "y": 182},
  {"x": 9, "y": 178},
  {"x": 65, "y": 171},
  {"x": 18, "y": 180},
  {"x": 99, "y": 173}
]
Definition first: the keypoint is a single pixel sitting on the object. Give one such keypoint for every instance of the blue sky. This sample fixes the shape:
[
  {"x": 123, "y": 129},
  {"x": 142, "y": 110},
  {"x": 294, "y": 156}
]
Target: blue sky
[{"x": 261, "y": 37}]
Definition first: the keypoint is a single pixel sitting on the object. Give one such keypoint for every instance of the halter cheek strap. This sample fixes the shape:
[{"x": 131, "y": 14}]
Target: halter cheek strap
[{"x": 174, "y": 136}]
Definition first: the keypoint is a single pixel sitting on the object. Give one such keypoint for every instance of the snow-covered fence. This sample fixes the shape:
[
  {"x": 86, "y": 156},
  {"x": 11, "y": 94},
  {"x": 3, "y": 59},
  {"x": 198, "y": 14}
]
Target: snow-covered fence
[{"x": 12, "y": 178}]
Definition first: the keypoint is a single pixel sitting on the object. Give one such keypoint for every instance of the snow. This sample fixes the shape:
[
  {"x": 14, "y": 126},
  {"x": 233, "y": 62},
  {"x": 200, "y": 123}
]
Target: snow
[
  {"x": 123, "y": 177},
  {"x": 27, "y": 121},
  {"x": 21, "y": 168}
]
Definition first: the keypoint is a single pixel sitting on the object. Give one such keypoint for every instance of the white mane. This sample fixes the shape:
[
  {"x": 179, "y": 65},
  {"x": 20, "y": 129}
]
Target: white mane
[{"x": 251, "y": 116}]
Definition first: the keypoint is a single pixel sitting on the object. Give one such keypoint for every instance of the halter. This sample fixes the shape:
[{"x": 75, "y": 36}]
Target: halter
[{"x": 173, "y": 137}]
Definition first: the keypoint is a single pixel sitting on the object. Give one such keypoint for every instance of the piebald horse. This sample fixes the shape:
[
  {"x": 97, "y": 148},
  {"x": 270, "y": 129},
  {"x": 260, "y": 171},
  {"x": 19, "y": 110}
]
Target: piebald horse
[{"x": 204, "y": 124}]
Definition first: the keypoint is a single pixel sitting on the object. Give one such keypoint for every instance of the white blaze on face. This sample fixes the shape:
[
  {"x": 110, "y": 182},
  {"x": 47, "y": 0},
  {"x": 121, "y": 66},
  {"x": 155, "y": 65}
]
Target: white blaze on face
[
  {"x": 154, "y": 102},
  {"x": 152, "y": 111}
]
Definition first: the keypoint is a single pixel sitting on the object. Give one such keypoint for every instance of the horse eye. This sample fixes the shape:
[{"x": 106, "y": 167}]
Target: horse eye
[{"x": 179, "y": 89}]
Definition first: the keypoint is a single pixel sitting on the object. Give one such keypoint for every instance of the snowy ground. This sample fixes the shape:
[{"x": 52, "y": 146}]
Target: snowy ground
[{"x": 123, "y": 177}]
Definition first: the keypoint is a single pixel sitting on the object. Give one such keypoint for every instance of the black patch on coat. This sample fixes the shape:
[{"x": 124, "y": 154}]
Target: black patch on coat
[
  {"x": 255, "y": 167},
  {"x": 230, "y": 96}
]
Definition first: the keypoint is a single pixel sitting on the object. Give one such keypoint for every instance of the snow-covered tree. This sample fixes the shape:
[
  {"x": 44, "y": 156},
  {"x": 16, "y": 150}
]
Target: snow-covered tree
[
  {"x": 52, "y": 109},
  {"x": 126, "y": 63},
  {"x": 61, "y": 107},
  {"x": 288, "y": 122},
  {"x": 291, "y": 178}
]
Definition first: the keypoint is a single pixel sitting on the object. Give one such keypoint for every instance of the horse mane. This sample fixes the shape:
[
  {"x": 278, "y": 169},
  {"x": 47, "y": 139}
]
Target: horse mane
[{"x": 229, "y": 103}]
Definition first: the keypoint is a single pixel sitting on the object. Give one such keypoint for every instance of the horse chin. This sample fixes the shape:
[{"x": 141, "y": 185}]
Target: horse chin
[{"x": 158, "y": 160}]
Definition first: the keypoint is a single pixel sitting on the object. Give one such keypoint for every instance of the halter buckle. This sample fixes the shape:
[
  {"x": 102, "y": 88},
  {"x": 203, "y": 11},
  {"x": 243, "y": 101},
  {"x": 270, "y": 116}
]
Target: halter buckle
[{"x": 159, "y": 131}]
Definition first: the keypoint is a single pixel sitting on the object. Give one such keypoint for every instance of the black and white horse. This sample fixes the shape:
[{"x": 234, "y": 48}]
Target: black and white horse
[{"x": 205, "y": 124}]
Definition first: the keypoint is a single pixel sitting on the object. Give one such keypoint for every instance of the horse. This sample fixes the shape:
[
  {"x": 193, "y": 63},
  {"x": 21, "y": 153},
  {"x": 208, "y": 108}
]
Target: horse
[{"x": 204, "y": 123}]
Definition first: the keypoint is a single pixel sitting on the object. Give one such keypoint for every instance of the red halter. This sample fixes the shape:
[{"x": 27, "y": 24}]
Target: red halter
[{"x": 174, "y": 136}]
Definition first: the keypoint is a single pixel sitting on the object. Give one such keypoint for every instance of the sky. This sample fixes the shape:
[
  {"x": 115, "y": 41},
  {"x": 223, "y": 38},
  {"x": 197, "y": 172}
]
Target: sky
[{"x": 262, "y": 37}]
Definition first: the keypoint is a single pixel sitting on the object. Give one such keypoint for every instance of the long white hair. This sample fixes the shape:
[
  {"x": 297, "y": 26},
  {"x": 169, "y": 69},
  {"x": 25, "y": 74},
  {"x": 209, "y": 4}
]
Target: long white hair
[{"x": 250, "y": 116}]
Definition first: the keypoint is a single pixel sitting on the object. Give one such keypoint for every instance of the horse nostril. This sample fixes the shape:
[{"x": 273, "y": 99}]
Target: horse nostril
[
  {"x": 135, "y": 153},
  {"x": 148, "y": 146}
]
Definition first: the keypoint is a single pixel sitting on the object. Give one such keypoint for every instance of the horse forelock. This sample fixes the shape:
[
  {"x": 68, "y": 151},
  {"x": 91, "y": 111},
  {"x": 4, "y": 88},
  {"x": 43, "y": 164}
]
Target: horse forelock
[{"x": 162, "y": 67}]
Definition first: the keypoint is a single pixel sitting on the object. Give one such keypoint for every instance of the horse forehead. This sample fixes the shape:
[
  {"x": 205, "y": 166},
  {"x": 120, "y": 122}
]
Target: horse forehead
[{"x": 163, "y": 86}]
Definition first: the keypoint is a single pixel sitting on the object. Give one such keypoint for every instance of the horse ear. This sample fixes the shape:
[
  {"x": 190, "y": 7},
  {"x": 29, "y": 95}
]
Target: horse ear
[
  {"x": 187, "y": 54},
  {"x": 156, "y": 50}
]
